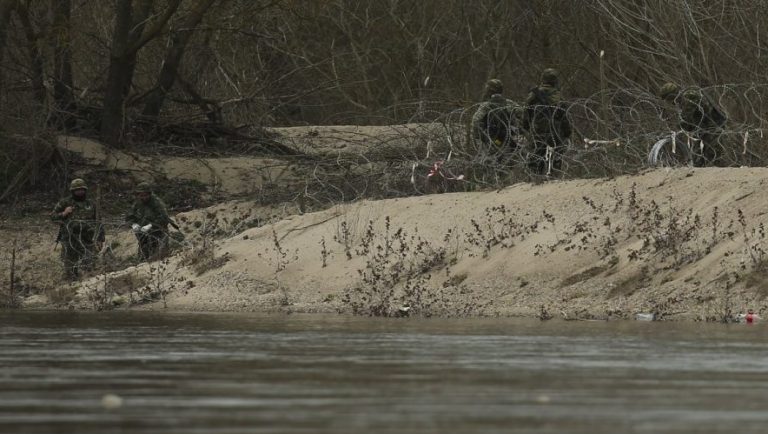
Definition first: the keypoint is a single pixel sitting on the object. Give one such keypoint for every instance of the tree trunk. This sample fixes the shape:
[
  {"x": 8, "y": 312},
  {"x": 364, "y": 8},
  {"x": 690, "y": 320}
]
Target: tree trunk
[
  {"x": 35, "y": 56},
  {"x": 210, "y": 108},
  {"x": 63, "y": 94},
  {"x": 132, "y": 32},
  {"x": 173, "y": 56},
  {"x": 140, "y": 16},
  {"x": 6, "y": 6},
  {"x": 118, "y": 74}
]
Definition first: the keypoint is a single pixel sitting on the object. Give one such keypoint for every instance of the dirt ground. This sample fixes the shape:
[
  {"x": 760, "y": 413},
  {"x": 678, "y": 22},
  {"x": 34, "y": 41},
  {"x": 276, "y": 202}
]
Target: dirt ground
[{"x": 681, "y": 244}]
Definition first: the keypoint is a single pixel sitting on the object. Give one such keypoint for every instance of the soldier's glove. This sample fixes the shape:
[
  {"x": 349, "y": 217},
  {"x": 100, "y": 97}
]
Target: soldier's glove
[
  {"x": 146, "y": 228},
  {"x": 135, "y": 227}
]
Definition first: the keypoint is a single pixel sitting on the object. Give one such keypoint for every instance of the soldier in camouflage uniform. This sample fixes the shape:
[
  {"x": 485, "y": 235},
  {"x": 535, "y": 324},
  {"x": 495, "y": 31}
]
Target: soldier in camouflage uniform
[
  {"x": 149, "y": 220},
  {"x": 80, "y": 233},
  {"x": 495, "y": 123},
  {"x": 701, "y": 118},
  {"x": 546, "y": 121}
]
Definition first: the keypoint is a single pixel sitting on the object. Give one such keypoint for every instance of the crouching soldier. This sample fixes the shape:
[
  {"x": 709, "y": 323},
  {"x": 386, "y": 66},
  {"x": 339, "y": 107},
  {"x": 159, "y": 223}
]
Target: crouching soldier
[
  {"x": 702, "y": 119},
  {"x": 149, "y": 220},
  {"x": 80, "y": 233}
]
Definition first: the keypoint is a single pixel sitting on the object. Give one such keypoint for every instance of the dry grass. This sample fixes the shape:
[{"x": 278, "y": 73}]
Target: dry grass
[
  {"x": 127, "y": 283},
  {"x": 584, "y": 275},
  {"x": 757, "y": 280},
  {"x": 202, "y": 257},
  {"x": 628, "y": 286}
]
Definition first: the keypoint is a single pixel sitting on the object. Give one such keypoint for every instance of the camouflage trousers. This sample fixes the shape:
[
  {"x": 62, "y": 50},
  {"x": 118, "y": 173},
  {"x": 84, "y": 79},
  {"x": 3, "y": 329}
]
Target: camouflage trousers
[
  {"x": 152, "y": 245},
  {"x": 546, "y": 150},
  {"x": 707, "y": 151},
  {"x": 77, "y": 256}
]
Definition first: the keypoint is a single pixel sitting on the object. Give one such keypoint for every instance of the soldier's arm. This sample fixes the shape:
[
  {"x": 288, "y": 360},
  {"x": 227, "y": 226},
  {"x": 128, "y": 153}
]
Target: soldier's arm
[
  {"x": 565, "y": 123},
  {"x": 57, "y": 210},
  {"x": 478, "y": 121},
  {"x": 157, "y": 215},
  {"x": 714, "y": 114},
  {"x": 526, "y": 112},
  {"x": 530, "y": 102},
  {"x": 692, "y": 113},
  {"x": 516, "y": 110},
  {"x": 131, "y": 217},
  {"x": 93, "y": 215},
  {"x": 161, "y": 213}
]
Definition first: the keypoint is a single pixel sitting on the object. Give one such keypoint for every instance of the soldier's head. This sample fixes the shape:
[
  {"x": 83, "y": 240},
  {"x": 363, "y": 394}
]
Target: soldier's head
[
  {"x": 669, "y": 91},
  {"x": 551, "y": 77},
  {"x": 78, "y": 188},
  {"x": 143, "y": 191},
  {"x": 498, "y": 98},
  {"x": 492, "y": 87}
]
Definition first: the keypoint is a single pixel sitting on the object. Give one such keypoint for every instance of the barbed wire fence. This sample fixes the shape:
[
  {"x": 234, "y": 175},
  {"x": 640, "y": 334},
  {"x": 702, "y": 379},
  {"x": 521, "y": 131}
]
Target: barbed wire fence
[{"x": 614, "y": 132}]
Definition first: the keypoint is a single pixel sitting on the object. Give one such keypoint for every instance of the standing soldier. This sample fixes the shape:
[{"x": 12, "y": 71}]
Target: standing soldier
[
  {"x": 80, "y": 233},
  {"x": 495, "y": 122},
  {"x": 701, "y": 118},
  {"x": 547, "y": 123},
  {"x": 149, "y": 221}
]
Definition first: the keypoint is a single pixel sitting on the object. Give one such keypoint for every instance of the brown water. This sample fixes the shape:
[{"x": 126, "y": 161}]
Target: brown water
[{"x": 248, "y": 373}]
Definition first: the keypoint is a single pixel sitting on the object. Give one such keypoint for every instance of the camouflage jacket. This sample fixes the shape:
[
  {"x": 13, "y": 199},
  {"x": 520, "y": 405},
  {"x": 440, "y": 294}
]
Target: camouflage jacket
[
  {"x": 544, "y": 113},
  {"x": 153, "y": 211},
  {"x": 499, "y": 109},
  {"x": 82, "y": 223},
  {"x": 698, "y": 112}
]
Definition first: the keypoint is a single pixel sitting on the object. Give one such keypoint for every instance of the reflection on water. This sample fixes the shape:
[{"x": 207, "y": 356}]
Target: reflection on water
[{"x": 205, "y": 373}]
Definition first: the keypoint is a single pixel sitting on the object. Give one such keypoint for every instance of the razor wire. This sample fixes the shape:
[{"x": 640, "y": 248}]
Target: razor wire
[
  {"x": 80, "y": 240},
  {"x": 614, "y": 132}
]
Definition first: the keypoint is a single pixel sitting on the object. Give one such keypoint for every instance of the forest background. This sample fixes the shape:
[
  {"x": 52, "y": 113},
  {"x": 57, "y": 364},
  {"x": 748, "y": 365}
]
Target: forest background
[{"x": 134, "y": 73}]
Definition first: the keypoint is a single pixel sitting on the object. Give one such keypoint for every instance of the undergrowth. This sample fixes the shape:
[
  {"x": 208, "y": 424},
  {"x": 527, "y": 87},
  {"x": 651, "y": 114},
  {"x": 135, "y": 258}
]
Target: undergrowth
[{"x": 407, "y": 274}]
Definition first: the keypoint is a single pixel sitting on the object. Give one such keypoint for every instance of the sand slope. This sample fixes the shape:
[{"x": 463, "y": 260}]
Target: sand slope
[
  {"x": 551, "y": 253},
  {"x": 682, "y": 243}
]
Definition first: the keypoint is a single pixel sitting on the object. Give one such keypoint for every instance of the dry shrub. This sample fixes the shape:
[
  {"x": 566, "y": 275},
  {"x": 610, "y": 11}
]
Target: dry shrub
[
  {"x": 400, "y": 277},
  {"x": 127, "y": 283},
  {"x": 61, "y": 295},
  {"x": 584, "y": 275},
  {"x": 26, "y": 163},
  {"x": 202, "y": 257},
  {"x": 628, "y": 286}
]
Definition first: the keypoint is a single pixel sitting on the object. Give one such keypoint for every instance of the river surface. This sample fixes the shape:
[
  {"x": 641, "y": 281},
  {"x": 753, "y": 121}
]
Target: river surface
[{"x": 252, "y": 373}]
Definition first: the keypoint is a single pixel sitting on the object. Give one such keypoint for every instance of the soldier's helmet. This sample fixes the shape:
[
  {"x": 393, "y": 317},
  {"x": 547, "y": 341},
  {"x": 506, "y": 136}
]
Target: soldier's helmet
[
  {"x": 551, "y": 77},
  {"x": 669, "y": 91},
  {"x": 493, "y": 86},
  {"x": 77, "y": 184},
  {"x": 143, "y": 187}
]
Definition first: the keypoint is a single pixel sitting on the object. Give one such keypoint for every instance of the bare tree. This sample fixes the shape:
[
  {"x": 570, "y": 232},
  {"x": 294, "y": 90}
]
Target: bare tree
[
  {"x": 133, "y": 30},
  {"x": 36, "y": 60},
  {"x": 64, "y": 104},
  {"x": 179, "y": 40},
  {"x": 6, "y": 7}
]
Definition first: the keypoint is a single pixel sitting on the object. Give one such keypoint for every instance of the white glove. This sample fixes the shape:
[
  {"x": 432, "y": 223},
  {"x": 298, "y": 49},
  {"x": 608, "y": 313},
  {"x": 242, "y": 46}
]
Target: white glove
[
  {"x": 146, "y": 228},
  {"x": 135, "y": 227}
]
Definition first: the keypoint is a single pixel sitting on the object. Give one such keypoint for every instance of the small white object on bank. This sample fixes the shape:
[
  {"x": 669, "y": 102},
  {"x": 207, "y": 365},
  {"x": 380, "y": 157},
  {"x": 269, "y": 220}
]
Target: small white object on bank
[{"x": 645, "y": 317}]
